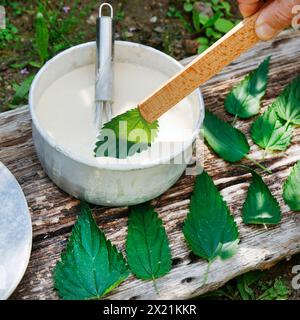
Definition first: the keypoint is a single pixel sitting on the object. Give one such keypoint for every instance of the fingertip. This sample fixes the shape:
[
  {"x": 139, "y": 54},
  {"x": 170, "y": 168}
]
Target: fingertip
[
  {"x": 249, "y": 7},
  {"x": 247, "y": 10},
  {"x": 274, "y": 18},
  {"x": 265, "y": 32}
]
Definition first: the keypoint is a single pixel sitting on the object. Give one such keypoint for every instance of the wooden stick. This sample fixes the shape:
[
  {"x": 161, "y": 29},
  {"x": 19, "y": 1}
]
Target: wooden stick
[{"x": 212, "y": 61}]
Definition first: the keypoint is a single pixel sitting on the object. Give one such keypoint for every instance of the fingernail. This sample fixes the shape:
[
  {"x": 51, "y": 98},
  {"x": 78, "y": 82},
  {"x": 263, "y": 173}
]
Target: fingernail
[{"x": 265, "y": 31}]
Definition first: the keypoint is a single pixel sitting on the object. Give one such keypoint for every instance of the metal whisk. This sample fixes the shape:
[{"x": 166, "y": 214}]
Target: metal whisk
[{"x": 104, "y": 67}]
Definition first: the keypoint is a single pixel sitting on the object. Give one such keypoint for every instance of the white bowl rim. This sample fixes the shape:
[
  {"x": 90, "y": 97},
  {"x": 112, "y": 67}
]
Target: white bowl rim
[{"x": 109, "y": 166}]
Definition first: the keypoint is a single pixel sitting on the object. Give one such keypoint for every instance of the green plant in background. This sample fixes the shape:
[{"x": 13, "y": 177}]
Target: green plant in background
[
  {"x": 207, "y": 20},
  {"x": 42, "y": 37},
  {"x": 244, "y": 283},
  {"x": 56, "y": 27},
  {"x": 17, "y": 7},
  {"x": 21, "y": 91},
  {"x": 249, "y": 286},
  {"x": 278, "y": 291},
  {"x": 42, "y": 45},
  {"x": 8, "y": 35},
  {"x": 120, "y": 15},
  {"x": 61, "y": 26},
  {"x": 173, "y": 12}
]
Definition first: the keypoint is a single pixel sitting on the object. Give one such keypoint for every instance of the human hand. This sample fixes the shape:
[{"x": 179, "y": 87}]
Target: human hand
[{"x": 276, "y": 16}]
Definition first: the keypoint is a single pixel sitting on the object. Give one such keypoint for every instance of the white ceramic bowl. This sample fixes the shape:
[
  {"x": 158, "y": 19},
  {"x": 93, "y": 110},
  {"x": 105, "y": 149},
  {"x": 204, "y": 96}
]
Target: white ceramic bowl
[{"x": 110, "y": 184}]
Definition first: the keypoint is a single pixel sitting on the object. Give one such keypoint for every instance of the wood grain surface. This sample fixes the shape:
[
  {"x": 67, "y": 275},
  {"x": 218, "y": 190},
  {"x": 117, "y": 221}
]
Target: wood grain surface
[
  {"x": 202, "y": 68},
  {"x": 54, "y": 212}
]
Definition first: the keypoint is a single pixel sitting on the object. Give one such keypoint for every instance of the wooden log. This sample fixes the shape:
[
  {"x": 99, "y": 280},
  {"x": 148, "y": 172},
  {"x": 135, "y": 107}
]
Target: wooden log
[{"x": 54, "y": 212}]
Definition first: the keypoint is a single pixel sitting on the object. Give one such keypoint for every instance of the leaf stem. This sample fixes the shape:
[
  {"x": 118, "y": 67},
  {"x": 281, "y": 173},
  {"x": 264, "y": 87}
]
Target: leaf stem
[
  {"x": 234, "y": 120},
  {"x": 259, "y": 164},
  {"x": 264, "y": 155},
  {"x": 155, "y": 285},
  {"x": 205, "y": 277},
  {"x": 287, "y": 124}
]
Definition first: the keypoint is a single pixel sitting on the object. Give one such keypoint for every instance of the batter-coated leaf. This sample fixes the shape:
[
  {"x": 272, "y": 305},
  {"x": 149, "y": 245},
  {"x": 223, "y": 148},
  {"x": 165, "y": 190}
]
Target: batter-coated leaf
[
  {"x": 228, "y": 142},
  {"x": 125, "y": 135},
  {"x": 270, "y": 132},
  {"x": 260, "y": 206},
  {"x": 287, "y": 104},
  {"x": 209, "y": 228},
  {"x": 244, "y": 100},
  {"x": 91, "y": 266},
  {"x": 147, "y": 245},
  {"x": 291, "y": 189}
]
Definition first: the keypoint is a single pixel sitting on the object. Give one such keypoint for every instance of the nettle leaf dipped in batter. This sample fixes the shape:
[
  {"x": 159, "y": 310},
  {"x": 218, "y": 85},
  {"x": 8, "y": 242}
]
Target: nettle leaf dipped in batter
[
  {"x": 125, "y": 135},
  {"x": 244, "y": 100}
]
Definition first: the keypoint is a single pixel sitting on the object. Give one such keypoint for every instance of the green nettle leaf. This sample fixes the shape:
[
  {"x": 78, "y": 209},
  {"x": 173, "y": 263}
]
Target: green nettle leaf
[
  {"x": 42, "y": 37},
  {"x": 91, "y": 266},
  {"x": 228, "y": 142},
  {"x": 202, "y": 48},
  {"x": 288, "y": 103},
  {"x": 147, "y": 245},
  {"x": 210, "y": 32},
  {"x": 188, "y": 7},
  {"x": 291, "y": 189},
  {"x": 198, "y": 19},
  {"x": 223, "y": 25},
  {"x": 279, "y": 291},
  {"x": 227, "y": 6},
  {"x": 260, "y": 206},
  {"x": 244, "y": 283},
  {"x": 203, "y": 40},
  {"x": 209, "y": 228},
  {"x": 270, "y": 132},
  {"x": 125, "y": 135},
  {"x": 244, "y": 100},
  {"x": 211, "y": 21},
  {"x": 22, "y": 90}
]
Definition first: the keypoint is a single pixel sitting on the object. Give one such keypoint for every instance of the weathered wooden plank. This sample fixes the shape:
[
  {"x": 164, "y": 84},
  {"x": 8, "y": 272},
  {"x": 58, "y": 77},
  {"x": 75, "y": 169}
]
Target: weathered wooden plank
[{"x": 54, "y": 212}]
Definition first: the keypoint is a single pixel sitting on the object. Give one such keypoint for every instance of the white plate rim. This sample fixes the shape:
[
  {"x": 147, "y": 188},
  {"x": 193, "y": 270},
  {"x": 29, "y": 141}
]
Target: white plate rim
[{"x": 26, "y": 262}]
